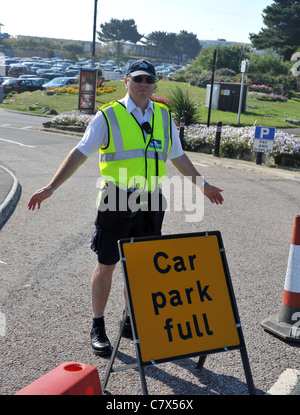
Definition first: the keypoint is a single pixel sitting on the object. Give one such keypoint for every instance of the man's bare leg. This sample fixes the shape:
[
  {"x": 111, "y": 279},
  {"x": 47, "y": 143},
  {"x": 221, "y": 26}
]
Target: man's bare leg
[{"x": 100, "y": 288}]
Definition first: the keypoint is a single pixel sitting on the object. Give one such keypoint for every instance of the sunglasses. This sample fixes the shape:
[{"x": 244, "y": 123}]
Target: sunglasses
[{"x": 139, "y": 79}]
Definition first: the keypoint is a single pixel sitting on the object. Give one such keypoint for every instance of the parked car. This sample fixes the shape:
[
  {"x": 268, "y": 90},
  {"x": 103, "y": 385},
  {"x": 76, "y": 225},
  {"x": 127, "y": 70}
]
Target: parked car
[
  {"x": 20, "y": 85},
  {"x": 39, "y": 81},
  {"x": 17, "y": 70},
  {"x": 48, "y": 75},
  {"x": 57, "y": 82},
  {"x": 28, "y": 76},
  {"x": 5, "y": 78},
  {"x": 42, "y": 71},
  {"x": 72, "y": 72}
]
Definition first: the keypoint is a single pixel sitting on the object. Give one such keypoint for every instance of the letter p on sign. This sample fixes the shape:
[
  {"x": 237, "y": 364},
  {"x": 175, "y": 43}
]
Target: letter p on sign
[{"x": 264, "y": 132}]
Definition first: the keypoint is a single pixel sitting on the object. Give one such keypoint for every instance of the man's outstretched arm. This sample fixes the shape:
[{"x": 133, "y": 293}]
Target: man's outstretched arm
[
  {"x": 71, "y": 163},
  {"x": 186, "y": 167}
]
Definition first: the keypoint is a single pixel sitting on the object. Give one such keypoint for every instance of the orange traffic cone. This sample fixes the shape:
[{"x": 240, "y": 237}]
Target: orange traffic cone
[{"x": 285, "y": 323}]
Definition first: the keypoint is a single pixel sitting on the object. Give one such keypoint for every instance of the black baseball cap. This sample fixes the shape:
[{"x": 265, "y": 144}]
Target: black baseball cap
[{"x": 141, "y": 67}]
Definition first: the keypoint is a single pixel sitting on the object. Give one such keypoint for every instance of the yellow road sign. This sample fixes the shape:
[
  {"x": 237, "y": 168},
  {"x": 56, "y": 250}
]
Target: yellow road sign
[{"x": 180, "y": 295}]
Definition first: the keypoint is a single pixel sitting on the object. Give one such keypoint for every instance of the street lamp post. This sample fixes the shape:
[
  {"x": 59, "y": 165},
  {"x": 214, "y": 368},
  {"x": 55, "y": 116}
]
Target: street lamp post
[{"x": 94, "y": 34}]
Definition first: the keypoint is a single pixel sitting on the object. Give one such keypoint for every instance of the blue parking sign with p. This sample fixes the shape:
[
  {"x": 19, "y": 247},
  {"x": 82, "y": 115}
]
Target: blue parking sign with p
[{"x": 265, "y": 133}]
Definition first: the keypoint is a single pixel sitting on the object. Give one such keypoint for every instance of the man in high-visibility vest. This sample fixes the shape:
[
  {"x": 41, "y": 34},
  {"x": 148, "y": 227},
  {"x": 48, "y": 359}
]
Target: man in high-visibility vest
[{"x": 134, "y": 137}]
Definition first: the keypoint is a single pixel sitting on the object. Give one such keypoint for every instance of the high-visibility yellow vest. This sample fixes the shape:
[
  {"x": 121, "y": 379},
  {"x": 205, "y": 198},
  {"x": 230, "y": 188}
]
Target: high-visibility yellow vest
[{"x": 130, "y": 160}]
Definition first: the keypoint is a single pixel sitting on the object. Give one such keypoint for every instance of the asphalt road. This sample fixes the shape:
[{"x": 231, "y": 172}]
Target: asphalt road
[{"x": 46, "y": 263}]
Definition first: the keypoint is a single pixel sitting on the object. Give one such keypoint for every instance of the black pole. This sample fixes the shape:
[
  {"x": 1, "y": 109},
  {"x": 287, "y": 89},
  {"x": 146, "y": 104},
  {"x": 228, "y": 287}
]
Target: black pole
[
  {"x": 212, "y": 86},
  {"x": 94, "y": 34},
  {"x": 259, "y": 158},
  {"x": 181, "y": 130},
  {"x": 218, "y": 139}
]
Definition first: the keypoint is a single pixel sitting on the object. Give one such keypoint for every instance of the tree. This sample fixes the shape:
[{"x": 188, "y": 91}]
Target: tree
[
  {"x": 187, "y": 45},
  {"x": 74, "y": 50},
  {"x": 282, "y": 30},
  {"x": 268, "y": 63},
  {"x": 159, "y": 41},
  {"x": 183, "y": 45},
  {"x": 118, "y": 32},
  {"x": 229, "y": 57}
]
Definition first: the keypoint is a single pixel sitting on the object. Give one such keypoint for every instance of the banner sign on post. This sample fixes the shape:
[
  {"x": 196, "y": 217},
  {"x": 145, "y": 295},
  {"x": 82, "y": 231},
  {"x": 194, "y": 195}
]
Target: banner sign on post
[
  {"x": 87, "y": 89},
  {"x": 264, "y": 139}
]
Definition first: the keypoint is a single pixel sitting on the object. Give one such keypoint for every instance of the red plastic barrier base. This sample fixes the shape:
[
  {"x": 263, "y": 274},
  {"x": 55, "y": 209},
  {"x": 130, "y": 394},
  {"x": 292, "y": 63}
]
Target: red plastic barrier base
[{"x": 69, "y": 378}]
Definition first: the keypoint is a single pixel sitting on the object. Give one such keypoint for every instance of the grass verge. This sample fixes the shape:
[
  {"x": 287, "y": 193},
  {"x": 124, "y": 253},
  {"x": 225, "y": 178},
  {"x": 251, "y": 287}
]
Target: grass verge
[{"x": 272, "y": 114}]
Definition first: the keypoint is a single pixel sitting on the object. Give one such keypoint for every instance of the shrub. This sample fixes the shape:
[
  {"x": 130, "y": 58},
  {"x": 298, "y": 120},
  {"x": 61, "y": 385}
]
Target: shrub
[
  {"x": 281, "y": 85},
  {"x": 225, "y": 72},
  {"x": 286, "y": 149},
  {"x": 183, "y": 106},
  {"x": 202, "y": 80},
  {"x": 268, "y": 63}
]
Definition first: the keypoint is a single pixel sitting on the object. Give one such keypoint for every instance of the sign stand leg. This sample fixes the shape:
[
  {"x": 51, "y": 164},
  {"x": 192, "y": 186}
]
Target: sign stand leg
[
  {"x": 136, "y": 345},
  {"x": 249, "y": 379},
  {"x": 110, "y": 368},
  {"x": 201, "y": 362},
  {"x": 246, "y": 365},
  {"x": 114, "y": 352},
  {"x": 142, "y": 376}
]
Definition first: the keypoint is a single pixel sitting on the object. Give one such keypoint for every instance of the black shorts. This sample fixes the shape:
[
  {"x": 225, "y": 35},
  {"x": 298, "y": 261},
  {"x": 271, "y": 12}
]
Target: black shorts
[{"x": 105, "y": 240}]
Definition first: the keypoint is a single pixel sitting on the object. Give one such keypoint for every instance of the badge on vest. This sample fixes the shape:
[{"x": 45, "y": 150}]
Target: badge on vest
[{"x": 155, "y": 144}]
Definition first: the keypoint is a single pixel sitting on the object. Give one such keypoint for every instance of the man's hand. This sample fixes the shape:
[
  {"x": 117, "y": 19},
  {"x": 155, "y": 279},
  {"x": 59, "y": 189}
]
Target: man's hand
[
  {"x": 39, "y": 197},
  {"x": 71, "y": 163},
  {"x": 213, "y": 194}
]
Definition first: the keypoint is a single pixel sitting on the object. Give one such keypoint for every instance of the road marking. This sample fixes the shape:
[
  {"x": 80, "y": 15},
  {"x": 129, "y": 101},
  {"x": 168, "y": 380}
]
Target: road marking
[
  {"x": 15, "y": 127},
  {"x": 199, "y": 164},
  {"x": 16, "y": 142}
]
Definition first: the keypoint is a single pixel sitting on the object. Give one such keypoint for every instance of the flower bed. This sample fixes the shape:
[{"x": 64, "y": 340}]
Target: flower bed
[
  {"x": 161, "y": 101},
  {"x": 74, "y": 89},
  {"x": 269, "y": 97},
  {"x": 73, "y": 119},
  {"x": 237, "y": 142},
  {"x": 264, "y": 93},
  {"x": 260, "y": 88}
]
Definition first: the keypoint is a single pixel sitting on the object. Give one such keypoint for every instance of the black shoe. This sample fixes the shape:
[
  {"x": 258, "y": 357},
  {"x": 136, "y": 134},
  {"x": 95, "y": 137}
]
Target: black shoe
[
  {"x": 127, "y": 332},
  {"x": 100, "y": 344}
]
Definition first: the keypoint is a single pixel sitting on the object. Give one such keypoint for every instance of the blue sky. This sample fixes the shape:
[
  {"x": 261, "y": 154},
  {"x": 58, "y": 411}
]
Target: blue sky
[{"x": 232, "y": 20}]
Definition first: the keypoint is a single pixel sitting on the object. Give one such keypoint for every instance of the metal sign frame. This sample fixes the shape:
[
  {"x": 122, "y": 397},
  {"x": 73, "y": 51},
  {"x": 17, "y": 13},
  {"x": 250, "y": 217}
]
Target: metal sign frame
[
  {"x": 87, "y": 89},
  {"x": 240, "y": 343}
]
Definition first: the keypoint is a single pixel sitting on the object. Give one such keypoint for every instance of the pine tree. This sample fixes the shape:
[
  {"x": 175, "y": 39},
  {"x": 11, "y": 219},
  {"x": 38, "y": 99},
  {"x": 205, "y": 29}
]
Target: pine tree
[
  {"x": 118, "y": 32},
  {"x": 282, "y": 32}
]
